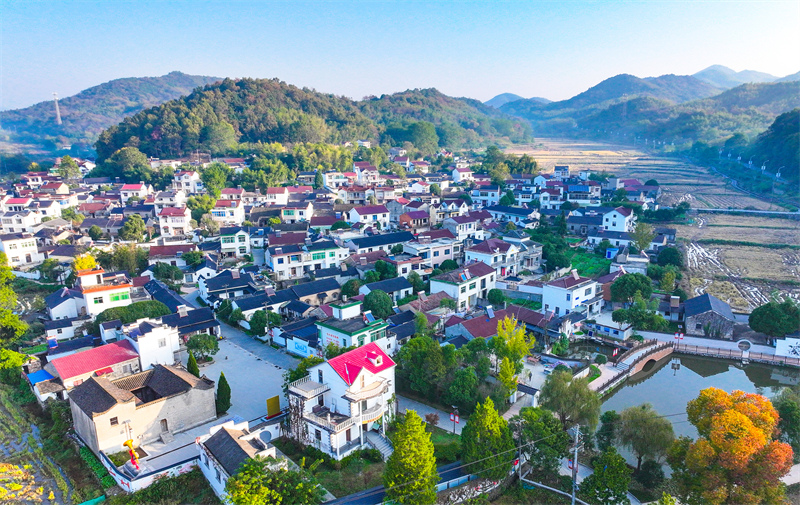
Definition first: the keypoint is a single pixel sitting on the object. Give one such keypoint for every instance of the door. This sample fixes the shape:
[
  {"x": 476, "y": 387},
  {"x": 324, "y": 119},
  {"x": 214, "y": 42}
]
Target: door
[{"x": 164, "y": 426}]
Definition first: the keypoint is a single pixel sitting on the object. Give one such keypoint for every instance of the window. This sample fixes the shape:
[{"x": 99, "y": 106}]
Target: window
[
  {"x": 332, "y": 255},
  {"x": 319, "y": 376},
  {"x": 447, "y": 251},
  {"x": 280, "y": 261},
  {"x": 114, "y": 421},
  {"x": 568, "y": 296},
  {"x": 219, "y": 477},
  {"x": 588, "y": 291},
  {"x": 227, "y": 240},
  {"x": 241, "y": 238},
  {"x": 162, "y": 342},
  {"x": 616, "y": 332},
  {"x": 98, "y": 300},
  {"x": 318, "y": 256},
  {"x": 463, "y": 289},
  {"x": 698, "y": 326},
  {"x": 435, "y": 253},
  {"x": 288, "y": 212},
  {"x": 318, "y": 435},
  {"x": 472, "y": 285},
  {"x": 59, "y": 331},
  {"x": 116, "y": 297}
]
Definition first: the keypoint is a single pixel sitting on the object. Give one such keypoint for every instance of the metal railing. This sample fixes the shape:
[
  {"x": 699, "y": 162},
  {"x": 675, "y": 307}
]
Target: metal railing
[
  {"x": 641, "y": 345},
  {"x": 345, "y": 423},
  {"x": 307, "y": 393}
]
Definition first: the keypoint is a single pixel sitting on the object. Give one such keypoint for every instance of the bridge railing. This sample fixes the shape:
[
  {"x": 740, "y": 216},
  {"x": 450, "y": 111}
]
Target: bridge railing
[
  {"x": 708, "y": 351},
  {"x": 635, "y": 348}
]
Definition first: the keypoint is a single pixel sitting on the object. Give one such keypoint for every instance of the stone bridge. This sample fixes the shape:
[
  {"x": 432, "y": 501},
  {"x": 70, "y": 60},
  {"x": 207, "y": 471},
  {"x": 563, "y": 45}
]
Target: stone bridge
[{"x": 655, "y": 354}]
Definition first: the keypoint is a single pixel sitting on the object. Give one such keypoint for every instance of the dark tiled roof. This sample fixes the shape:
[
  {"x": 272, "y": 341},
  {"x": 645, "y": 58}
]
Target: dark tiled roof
[
  {"x": 192, "y": 318},
  {"x": 297, "y": 306},
  {"x": 381, "y": 240},
  {"x": 706, "y": 303},
  {"x": 314, "y": 287},
  {"x": 160, "y": 292},
  {"x": 514, "y": 211},
  {"x": 59, "y": 323},
  {"x": 229, "y": 450},
  {"x": 390, "y": 285},
  {"x": 58, "y": 297}
]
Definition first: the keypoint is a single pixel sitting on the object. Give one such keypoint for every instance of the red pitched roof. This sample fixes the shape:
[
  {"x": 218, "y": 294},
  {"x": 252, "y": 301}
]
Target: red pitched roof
[
  {"x": 349, "y": 364},
  {"x": 276, "y": 191},
  {"x": 94, "y": 359},
  {"x": 232, "y": 191},
  {"x": 568, "y": 282},
  {"x": 371, "y": 209},
  {"x": 624, "y": 211},
  {"x": 402, "y": 200},
  {"x": 490, "y": 246},
  {"x": 482, "y": 326},
  {"x": 464, "y": 170},
  {"x": 133, "y": 187},
  {"x": 416, "y": 214},
  {"x": 300, "y": 189},
  {"x": 173, "y": 211},
  {"x": 170, "y": 250},
  {"x": 17, "y": 201},
  {"x": 140, "y": 281},
  {"x": 91, "y": 207},
  {"x": 323, "y": 221},
  {"x": 227, "y": 203},
  {"x": 434, "y": 234}
]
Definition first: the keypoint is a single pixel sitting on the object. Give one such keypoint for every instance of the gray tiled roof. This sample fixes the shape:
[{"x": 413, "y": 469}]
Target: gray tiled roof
[{"x": 706, "y": 303}]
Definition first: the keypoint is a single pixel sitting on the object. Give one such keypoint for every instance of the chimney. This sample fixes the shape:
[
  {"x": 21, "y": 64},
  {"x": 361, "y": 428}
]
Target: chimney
[
  {"x": 181, "y": 310},
  {"x": 575, "y": 274},
  {"x": 363, "y": 260},
  {"x": 674, "y": 302},
  {"x": 234, "y": 274},
  {"x": 343, "y": 266},
  {"x": 277, "y": 233}
]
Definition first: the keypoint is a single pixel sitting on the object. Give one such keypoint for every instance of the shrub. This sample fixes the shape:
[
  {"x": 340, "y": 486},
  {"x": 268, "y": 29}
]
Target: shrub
[
  {"x": 562, "y": 368},
  {"x": 601, "y": 359},
  {"x": 447, "y": 453}
]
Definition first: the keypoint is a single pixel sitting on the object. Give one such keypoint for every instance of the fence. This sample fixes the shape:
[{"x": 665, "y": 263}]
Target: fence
[
  {"x": 33, "y": 274},
  {"x": 636, "y": 347},
  {"x": 143, "y": 480},
  {"x": 708, "y": 351},
  {"x": 773, "y": 360}
]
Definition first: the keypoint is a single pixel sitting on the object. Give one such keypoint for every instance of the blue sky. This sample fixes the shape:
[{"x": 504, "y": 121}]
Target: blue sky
[{"x": 359, "y": 48}]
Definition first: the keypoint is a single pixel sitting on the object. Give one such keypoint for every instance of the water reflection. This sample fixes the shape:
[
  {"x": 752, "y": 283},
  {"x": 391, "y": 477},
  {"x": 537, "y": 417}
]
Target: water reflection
[{"x": 669, "y": 390}]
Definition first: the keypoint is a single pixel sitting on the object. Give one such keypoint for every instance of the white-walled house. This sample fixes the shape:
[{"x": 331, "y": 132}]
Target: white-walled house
[
  {"x": 101, "y": 291},
  {"x": 343, "y": 399},
  {"x": 20, "y": 249},
  {"x": 234, "y": 242},
  {"x": 620, "y": 219},
  {"x": 139, "y": 190},
  {"x": 189, "y": 181},
  {"x": 174, "y": 221},
  {"x": 228, "y": 212},
  {"x": 503, "y": 256},
  {"x": 566, "y": 294},
  {"x": 293, "y": 261},
  {"x": 462, "y": 175},
  {"x": 466, "y": 284},
  {"x": 156, "y": 342},
  {"x": 370, "y": 214}
]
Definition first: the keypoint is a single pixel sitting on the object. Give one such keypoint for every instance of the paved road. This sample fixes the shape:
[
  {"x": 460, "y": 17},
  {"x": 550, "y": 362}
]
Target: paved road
[
  {"x": 706, "y": 342},
  {"x": 244, "y": 341},
  {"x": 445, "y": 423}
]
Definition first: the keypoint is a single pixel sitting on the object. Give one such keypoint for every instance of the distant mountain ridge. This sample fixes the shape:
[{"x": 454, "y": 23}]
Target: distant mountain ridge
[
  {"x": 726, "y": 78},
  {"x": 504, "y": 98},
  {"x": 89, "y": 112}
]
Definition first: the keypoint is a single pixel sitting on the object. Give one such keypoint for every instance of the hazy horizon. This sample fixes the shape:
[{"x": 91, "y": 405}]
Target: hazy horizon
[{"x": 553, "y": 50}]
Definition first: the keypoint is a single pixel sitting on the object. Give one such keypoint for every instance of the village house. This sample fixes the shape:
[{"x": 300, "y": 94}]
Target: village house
[
  {"x": 572, "y": 293},
  {"x": 20, "y": 249},
  {"x": 486, "y": 196},
  {"x": 299, "y": 212},
  {"x": 140, "y": 191},
  {"x": 277, "y": 196},
  {"x": 466, "y": 284},
  {"x": 503, "y": 256},
  {"x": 234, "y": 242},
  {"x": 169, "y": 254},
  {"x": 708, "y": 316},
  {"x": 22, "y": 221},
  {"x": 370, "y": 214},
  {"x": 228, "y": 212},
  {"x": 383, "y": 242},
  {"x": 397, "y": 288},
  {"x": 414, "y": 221},
  {"x": 188, "y": 181},
  {"x": 175, "y": 221},
  {"x": 462, "y": 175},
  {"x": 226, "y": 284},
  {"x": 463, "y": 227},
  {"x": 114, "y": 360},
  {"x": 293, "y": 261},
  {"x": 619, "y": 220},
  {"x": 152, "y": 405},
  {"x": 344, "y": 403},
  {"x": 503, "y": 213},
  {"x": 433, "y": 251}
]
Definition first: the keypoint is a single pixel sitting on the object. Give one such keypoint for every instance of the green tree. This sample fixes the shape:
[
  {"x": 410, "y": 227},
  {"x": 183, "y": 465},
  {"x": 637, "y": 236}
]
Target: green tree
[
  {"x": 410, "y": 475},
  {"x": 300, "y": 371},
  {"x": 11, "y": 366},
  {"x": 420, "y": 366},
  {"x": 417, "y": 284},
  {"x": 350, "y": 287},
  {"x": 645, "y": 433},
  {"x": 69, "y": 214},
  {"x": 372, "y": 276},
  {"x": 486, "y": 443},
  {"x": 203, "y": 345},
  {"x": 508, "y": 199},
  {"x": 379, "y": 303},
  {"x": 463, "y": 390},
  {"x": 387, "y": 270},
  {"x": 167, "y": 273},
  {"x": 641, "y": 314},
  {"x": 788, "y": 406},
  {"x": 557, "y": 260},
  {"x": 68, "y": 169},
  {"x": 215, "y": 177},
  {"x": 570, "y": 399},
  {"x": 670, "y": 256},
  {"x": 191, "y": 366},
  {"x": 421, "y": 326},
  {"x": 131, "y": 313},
  {"x": 667, "y": 282},
  {"x": 274, "y": 319},
  {"x": 606, "y": 436},
  {"x": 200, "y": 205},
  {"x": 423, "y": 135},
  {"x": 319, "y": 180},
  {"x": 626, "y": 286},
  {"x": 561, "y": 225},
  {"x": 776, "y": 319},
  {"x": 541, "y": 437},
  {"x": 129, "y": 163},
  {"x": 448, "y": 265},
  {"x": 223, "y": 394},
  {"x": 448, "y": 303},
  {"x": 340, "y": 225},
  {"x": 260, "y": 482},
  {"x": 499, "y": 174},
  {"x": 608, "y": 484},
  {"x": 436, "y": 190},
  {"x": 651, "y": 475},
  {"x": 259, "y": 322},
  {"x": 193, "y": 258},
  {"x": 208, "y": 223},
  {"x": 133, "y": 229},
  {"x": 507, "y": 376},
  {"x": 219, "y": 137},
  {"x": 642, "y": 236},
  {"x": 496, "y": 298},
  {"x": 95, "y": 232}
]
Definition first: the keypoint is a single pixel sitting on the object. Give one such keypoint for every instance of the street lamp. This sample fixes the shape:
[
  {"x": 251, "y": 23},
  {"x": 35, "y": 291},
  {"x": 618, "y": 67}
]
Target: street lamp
[{"x": 454, "y": 416}]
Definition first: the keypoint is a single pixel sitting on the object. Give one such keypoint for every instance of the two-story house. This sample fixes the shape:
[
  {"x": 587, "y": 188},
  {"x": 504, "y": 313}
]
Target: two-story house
[
  {"x": 572, "y": 293},
  {"x": 383, "y": 242},
  {"x": 277, "y": 196},
  {"x": 466, "y": 284},
  {"x": 102, "y": 290},
  {"x": 292, "y": 261},
  {"x": 463, "y": 227},
  {"x": 486, "y": 196},
  {"x": 415, "y": 221},
  {"x": 175, "y": 221},
  {"x": 370, "y": 214},
  {"x": 188, "y": 181},
  {"x": 228, "y": 212},
  {"x": 620, "y": 219},
  {"x": 462, "y": 175},
  {"x": 20, "y": 249},
  {"x": 234, "y": 242},
  {"x": 298, "y": 212},
  {"x": 433, "y": 251},
  {"x": 139, "y": 190},
  {"x": 503, "y": 256},
  {"x": 503, "y": 213},
  {"x": 344, "y": 401}
]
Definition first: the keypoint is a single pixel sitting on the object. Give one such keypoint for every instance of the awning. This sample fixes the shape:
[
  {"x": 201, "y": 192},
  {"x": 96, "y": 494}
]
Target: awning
[
  {"x": 40, "y": 376},
  {"x": 103, "y": 371}
]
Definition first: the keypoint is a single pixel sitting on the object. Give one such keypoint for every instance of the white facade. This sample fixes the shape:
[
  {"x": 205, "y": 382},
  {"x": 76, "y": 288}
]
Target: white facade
[
  {"x": 20, "y": 249},
  {"x": 291, "y": 262},
  {"x": 562, "y": 297},
  {"x": 155, "y": 342},
  {"x": 465, "y": 292},
  {"x": 190, "y": 182},
  {"x": 228, "y": 212},
  {"x": 370, "y": 217},
  {"x": 237, "y": 244},
  {"x": 21, "y": 221},
  {"x": 619, "y": 219},
  {"x": 461, "y": 175},
  {"x": 175, "y": 221},
  {"x": 100, "y": 293}
]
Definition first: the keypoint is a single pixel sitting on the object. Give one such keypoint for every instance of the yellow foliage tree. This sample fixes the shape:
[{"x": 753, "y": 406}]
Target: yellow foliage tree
[
  {"x": 512, "y": 342},
  {"x": 84, "y": 262}
]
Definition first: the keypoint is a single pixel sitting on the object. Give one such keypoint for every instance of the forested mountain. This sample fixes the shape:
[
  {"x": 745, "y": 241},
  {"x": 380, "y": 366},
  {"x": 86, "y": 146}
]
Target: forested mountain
[
  {"x": 459, "y": 122},
  {"x": 780, "y": 144},
  {"x": 671, "y": 108},
  {"x": 790, "y": 78},
  {"x": 726, "y": 78},
  {"x": 92, "y": 110},
  {"x": 502, "y": 99},
  {"x": 264, "y": 110}
]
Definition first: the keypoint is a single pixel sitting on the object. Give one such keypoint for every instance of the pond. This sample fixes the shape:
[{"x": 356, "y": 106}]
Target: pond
[
  {"x": 589, "y": 350},
  {"x": 670, "y": 384}
]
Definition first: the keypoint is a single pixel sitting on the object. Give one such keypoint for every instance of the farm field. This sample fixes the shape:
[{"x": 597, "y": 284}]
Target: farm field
[{"x": 744, "y": 275}]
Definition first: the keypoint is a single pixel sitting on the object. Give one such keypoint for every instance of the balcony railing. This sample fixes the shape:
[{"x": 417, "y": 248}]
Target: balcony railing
[
  {"x": 367, "y": 415},
  {"x": 370, "y": 391},
  {"x": 307, "y": 388}
]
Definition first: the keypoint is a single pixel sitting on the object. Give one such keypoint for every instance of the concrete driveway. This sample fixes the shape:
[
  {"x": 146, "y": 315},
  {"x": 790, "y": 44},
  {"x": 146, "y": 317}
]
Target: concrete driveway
[
  {"x": 257, "y": 348},
  {"x": 258, "y": 256},
  {"x": 192, "y": 298},
  {"x": 421, "y": 409}
]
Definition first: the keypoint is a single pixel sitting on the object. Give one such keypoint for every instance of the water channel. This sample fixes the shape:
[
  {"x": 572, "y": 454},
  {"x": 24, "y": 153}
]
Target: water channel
[{"x": 671, "y": 383}]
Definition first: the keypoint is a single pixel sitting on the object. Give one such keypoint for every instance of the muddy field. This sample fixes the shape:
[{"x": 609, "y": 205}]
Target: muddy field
[{"x": 744, "y": 276}]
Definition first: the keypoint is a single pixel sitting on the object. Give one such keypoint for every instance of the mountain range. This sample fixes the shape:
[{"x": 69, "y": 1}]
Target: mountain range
[
  {"x": 94, "y": 109},
  {"x": 504, "y": 98}
]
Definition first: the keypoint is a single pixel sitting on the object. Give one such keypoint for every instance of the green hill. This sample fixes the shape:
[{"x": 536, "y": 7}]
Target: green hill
[
  {"x": 92, "y": 110},
  {"x": 264, "y": 110},
  {"x": 726, "y": 78}
]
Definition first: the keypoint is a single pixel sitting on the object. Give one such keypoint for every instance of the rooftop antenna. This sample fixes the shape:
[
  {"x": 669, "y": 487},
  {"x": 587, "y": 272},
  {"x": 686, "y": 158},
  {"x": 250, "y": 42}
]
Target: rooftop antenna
[{"x": 58, "y": 112}]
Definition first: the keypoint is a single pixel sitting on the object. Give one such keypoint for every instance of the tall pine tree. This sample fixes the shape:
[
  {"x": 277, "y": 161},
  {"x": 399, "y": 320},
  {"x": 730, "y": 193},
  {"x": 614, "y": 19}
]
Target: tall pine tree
[
  {"x": 487, "y": 443},
  {"x": 410, "y": 475},
  {"x": 191, "y": 366},
  {"x": 223, "y": 394}
]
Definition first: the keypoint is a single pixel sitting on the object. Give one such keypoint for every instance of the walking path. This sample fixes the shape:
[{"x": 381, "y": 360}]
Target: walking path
[
  {"x": 445, "y": 423},
  {"x": 706, "y": 342}
]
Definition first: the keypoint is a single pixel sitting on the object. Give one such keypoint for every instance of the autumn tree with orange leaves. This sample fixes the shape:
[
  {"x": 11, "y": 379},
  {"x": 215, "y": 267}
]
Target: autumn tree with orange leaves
[{"x": 736, "y": 459}]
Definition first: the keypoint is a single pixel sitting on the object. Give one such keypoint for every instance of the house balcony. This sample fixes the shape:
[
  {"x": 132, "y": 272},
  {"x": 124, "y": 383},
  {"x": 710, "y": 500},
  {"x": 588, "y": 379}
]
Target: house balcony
[
  {"x": 336, "y": 422},
  {"x": 306, "y": 388},
  {"x": 369, "y": 391}
]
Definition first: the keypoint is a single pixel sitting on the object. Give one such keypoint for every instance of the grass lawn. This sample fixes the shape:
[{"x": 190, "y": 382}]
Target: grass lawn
[
  {"x": 190, "y": 487},
  {"x": 528, "y": 304},
  {"x": 594, "y": 373},
  {"x": 355, "y": 473},
  {"x": 588, "y": 264}
]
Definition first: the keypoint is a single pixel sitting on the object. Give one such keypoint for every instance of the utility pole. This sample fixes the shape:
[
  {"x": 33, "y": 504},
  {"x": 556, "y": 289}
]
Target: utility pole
[{"x": 575, "y": 461}]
